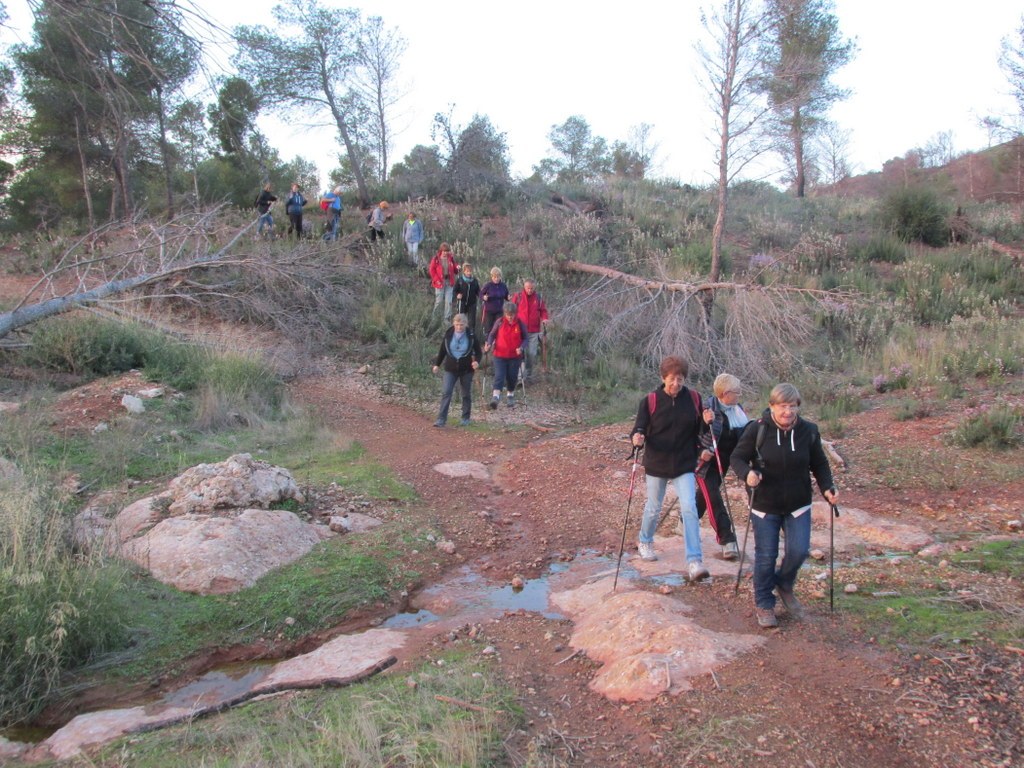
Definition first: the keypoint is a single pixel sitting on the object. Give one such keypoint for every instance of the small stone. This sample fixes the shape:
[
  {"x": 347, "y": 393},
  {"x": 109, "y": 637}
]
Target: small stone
[
  {"x": 850, "y": 589},
  {"x": 290, "y": 621},
  {"x": 490, "y": 650},
  {"x": 518, "y": 582},
  {"x": 818, "y": 554},
  {"x": 1013, "y": 525},
  {"x": 101, "y": 427},
  {"x": 665, "y": 589},
  {"x": 448, "y": 547},
  {"x": 133, "y": 404},
  {"x": 896, "y": 561}
]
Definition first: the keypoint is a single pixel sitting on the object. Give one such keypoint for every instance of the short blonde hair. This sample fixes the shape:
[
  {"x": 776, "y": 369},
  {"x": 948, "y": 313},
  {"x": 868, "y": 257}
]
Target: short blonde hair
[
  {"x": 466, "y": 264},
  {"x": 784, "y": 393},
  {"x": 495, "y": 272},
  {"x": 725, "y": 382}
]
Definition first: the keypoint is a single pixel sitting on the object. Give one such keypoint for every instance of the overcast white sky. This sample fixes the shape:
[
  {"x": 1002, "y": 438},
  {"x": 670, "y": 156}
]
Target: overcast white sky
[{"x": 923, "y": 67}]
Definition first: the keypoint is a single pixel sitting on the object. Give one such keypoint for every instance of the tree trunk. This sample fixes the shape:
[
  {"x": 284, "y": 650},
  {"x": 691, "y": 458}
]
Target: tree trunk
[
  {"x": 165, "y": 153},
  {"x": 86, "y": 192},
  {"x": 798, "y": 153}
]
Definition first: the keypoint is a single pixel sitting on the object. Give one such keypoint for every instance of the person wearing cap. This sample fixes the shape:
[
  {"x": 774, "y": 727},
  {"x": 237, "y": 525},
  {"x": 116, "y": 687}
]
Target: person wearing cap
[{"x": 378, "y": 217}]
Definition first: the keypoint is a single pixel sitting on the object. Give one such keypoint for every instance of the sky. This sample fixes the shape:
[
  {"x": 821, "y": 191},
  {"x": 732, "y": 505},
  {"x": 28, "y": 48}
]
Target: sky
[{"x": 921, "y": 68}]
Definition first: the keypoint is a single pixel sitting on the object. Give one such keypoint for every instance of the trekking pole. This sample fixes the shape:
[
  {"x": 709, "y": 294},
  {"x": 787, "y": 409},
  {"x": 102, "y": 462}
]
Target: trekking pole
[
  {"x": 544, "y": 348},
  {"x": 637, "y": 452},
  {"x": 725, "y": 489},
  {"x": 832, "y": 557},
  {"x": 743, "y": 549}
]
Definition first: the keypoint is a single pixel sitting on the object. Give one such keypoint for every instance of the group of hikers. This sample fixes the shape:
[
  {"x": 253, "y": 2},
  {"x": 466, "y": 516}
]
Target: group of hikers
[
  {"x": 513, "y": 326},
  {"x": 682, "y": 438},
  {"x": 692, "y": 442}
]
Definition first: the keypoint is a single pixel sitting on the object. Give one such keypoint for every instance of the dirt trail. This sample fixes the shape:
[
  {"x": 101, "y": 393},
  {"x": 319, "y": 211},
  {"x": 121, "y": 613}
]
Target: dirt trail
[{"x": 813, "y": 695}]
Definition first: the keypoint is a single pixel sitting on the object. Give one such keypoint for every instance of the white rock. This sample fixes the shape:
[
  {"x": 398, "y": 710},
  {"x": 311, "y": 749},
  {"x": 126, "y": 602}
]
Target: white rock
[
  {"x": 101, "y": 427},
  {"x": 151, "y": 393},
  {"x": 818, "y": 554},
  {"x": 133, "y": 404},
  {"x": 448, "y": 547},
  {"x": 851, "y": 589},
  {"x": 1013, "y": 525}
]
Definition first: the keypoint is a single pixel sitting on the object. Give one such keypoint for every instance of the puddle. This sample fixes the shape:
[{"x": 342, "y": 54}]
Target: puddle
[{"x": 219, "y": 685}]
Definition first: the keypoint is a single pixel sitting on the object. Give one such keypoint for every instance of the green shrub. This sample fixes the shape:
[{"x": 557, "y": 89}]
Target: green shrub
[
  {"x": 237, "y": 390},
  {"x": 86, "y": 346},
  {"x": 58, "y": 608},
  {"x": 880, "y": 248},
  {"x": 912, "y": 409},
  {"x": 916, "y": 214},
  {"x": 997, "y": 427}
]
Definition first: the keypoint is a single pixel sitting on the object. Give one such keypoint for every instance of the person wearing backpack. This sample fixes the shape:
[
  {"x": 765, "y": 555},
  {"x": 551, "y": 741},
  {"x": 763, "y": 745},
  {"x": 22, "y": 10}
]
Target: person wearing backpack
[
  {"x": 776, "y": 456},
  {"x": 293, "y": 206},
  {"x": 494, "y": 294},
  {"x": 443, "y": 271},
  {"x": 507, "y": 338},
  {"x": 729, "y": 421},
  {"x": 330, "y": 203},
  {"x": 669, "y": 424},
  {"x": 264, "y": 201},
  {"x": 534, "y": 314}
]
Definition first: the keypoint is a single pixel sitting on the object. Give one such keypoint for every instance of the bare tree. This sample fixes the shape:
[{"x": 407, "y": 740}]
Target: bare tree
[
  {"x": 832, "y": 146},
  {"x": 380, "y": 53},
  {"x": 731, "y": 67},
  {"x": 1011, "y": 60}
]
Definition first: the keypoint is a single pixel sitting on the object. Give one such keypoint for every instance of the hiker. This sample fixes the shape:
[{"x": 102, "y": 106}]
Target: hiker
[
  {"x": 729, "y": 420},
  {"x": 495, "y": 294},
  {"x": 443, "y": 271},
  {"x": 460, "y": 356},
  {"x": 467, "y": 289},
  {"x": 507, "y": 338},
  {"x": 264, "y": 201},
  {"x": 377, "y": 219},
  {"x": 330, "y": 202},
  {"x": 668, "y": 426},
  {"x": 776, "y": 455},
  {"x": 293, "y": 207},
  {"x": 412, "y": 234},
  {"x": 534, "y": 313}
]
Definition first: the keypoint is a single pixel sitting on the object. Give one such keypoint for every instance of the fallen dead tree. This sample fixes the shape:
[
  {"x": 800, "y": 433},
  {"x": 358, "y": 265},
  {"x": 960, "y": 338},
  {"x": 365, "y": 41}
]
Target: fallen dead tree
[{"x": 756, "y": 331}]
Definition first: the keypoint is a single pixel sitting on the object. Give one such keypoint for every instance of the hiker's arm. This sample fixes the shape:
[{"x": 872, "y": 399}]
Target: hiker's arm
[{"x": 743, "y": 455}]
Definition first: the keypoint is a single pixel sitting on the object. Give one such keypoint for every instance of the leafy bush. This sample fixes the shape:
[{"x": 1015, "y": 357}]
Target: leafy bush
[
  {"x": 86, "y": 346},
  {"x": 58, "y": 608},
  {"x": 915, "y": 214},
  {"x": 897, "y": 378},
  {"x": 880, "y": 248},
  {"x": 992, "y": 427}
]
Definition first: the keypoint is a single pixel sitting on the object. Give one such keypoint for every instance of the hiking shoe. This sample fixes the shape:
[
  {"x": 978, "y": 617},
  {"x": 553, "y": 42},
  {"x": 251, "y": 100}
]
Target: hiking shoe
[
  {"x": 464, "y": 423},
  {"x": 493, "y": 405},
  {"x": 697, "y": 571},
  {"x": 730, "y": 551},
  {"x": 793, "y": 606},
  {"x": 439, "y": 423},
  {"x": 510, "y": 402},
  {"x": 646, "y": 551},
  {"x": 766, "y": 617}
]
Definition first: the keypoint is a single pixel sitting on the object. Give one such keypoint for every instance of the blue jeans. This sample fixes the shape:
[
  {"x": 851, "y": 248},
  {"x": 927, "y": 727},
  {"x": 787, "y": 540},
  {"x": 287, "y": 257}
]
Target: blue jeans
[
  {"x": 446, "y": 294},
  {"x": 766, "y": 552},
  {"x": 333, "y": 226},
  {"x": 266, "y": 220},
  {"x": 448, "y": 388},
  {"x": 686, "y": 490},
  {"x": 506, "y": 373}
]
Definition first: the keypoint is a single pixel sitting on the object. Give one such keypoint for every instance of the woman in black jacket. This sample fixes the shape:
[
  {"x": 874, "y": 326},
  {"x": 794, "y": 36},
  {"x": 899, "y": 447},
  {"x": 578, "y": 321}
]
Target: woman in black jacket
[
  {"x": 459, "y": 355},
  {"x": 777, "y": 455}
]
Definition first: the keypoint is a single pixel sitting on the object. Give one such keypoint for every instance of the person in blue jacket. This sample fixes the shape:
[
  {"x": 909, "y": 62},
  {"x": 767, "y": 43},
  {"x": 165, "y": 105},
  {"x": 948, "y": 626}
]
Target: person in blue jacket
[
  {"x": 333, "y": 200},
  {"x": 293, "y": 206}
]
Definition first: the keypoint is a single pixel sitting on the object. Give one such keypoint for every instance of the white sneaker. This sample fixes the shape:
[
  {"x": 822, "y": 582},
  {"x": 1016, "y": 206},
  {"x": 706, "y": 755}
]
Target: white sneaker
[
  {"x": 698, "y": 571},
  {"x": 730, "y": 551},
  {"x": 646, "y": 551}
]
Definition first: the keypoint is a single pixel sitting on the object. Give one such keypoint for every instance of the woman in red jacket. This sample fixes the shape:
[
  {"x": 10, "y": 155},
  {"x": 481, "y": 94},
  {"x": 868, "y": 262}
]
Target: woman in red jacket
[
  {"x": 507, "y": 338},
  {"x": 443, "y": 271}
]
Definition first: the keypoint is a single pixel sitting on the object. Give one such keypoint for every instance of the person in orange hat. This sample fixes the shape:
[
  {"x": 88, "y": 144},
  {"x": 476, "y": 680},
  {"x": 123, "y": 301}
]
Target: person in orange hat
[{"x": 378, "y": 218}]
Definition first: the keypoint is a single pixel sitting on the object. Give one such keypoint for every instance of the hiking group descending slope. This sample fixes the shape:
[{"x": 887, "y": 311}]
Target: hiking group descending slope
[{"x": 691, "y": 443}]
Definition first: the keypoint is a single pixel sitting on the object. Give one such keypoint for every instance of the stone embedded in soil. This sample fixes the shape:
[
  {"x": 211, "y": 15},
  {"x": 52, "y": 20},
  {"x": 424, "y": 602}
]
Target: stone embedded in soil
[
  {"x": 354, "y": 522},
  {"x": 473, "y": 469},
  {"x": 218, "y": 555},
  {"x": 95, "y": 728},
  {"x": 10, "y": 749},
  {"x": 647, "y": 642}
]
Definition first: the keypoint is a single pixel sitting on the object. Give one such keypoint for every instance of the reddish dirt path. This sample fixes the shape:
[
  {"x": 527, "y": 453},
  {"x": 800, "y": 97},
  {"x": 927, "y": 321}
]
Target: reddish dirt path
[{"x": 817, "y": 694}]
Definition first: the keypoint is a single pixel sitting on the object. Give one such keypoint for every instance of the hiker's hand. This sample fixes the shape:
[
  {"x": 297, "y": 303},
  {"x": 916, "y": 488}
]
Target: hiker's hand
[
  {"x": 434, "y": 369},
  {"x": 709, "y": 416},
  {"x": 753, "y": 479},
  {"x": 831, "y": 496},
  {"x": 706, "y": 455},
  {"x": 487, "y": 347},
  {"x": 475, "y": 365},
  {"x": 638, "y": 440}
]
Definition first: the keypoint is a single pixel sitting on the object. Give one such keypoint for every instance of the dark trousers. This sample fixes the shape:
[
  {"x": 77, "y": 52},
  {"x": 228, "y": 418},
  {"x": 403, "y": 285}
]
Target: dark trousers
[
  {"x": 709, "y": 489},
  {"x": 489, "y": 318},
  {"x": 295, "y": 225}
]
